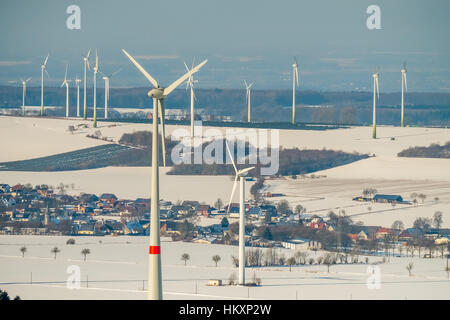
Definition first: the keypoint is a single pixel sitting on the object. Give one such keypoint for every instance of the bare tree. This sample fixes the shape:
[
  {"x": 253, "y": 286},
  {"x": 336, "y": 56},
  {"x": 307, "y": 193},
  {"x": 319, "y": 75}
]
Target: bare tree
[
  {"x": 409, "y": 267},
  {"x": 219, "y": 204},
  {"x": 319, "y": 260},
  {"x": 398, "y": 225},
  {"x": 185, "y": 257},
  {"x": 291, "y": 261},
  {"x": 437, "y": 220},
  {"x": 328, "y": 260},
  {"x": 216, "y": 259},
  {"x": 442, "y": 247},
  {"x": 411, "y": 249},
  {"x": 23, "y": 250},
  {"x": 282, "y": 260},
  {"x": 55, "y": 251},
  {"x": 85, "y": 252},
  {"x": 235, "y": 261},
  {"x": 422, "y": 197}
]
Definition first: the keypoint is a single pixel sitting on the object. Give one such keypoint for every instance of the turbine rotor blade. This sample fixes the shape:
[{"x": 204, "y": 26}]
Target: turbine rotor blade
[
  {"x": 406, "y": 84},
  {"x": 378, "y": 88},
  {"x": 163, "y": 138},
  {"x": 231, "y": 157},
  {"x": 245, "y": 170},
  {"x": 115, "y": 72},
  {"x": 45, "y": 61},
  {"x": 141, "y": 69},
  {"x": 65, "y": 75},
  {"x": 175, "y": 84},
  {"x": 232, "y": 193}
]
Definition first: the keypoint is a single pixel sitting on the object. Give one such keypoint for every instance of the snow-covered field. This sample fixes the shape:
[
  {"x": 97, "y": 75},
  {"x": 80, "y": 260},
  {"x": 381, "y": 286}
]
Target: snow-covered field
[
  {"x": 26, "y": 138},
  {"x": 117, "y": 266},
  {"x": 321, "y": 195}
]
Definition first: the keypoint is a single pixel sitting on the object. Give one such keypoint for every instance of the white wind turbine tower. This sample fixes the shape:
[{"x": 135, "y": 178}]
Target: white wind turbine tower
[
  {"x": 66, "y": 83},
  {"x": 86, "y": 65},
  {"x": 106, "y": 78},
  {"x": 77, "y": 82},
  {"x": 404, "y": 89},
  {"x": 95, "y": 89},
  {"x": 158, "y": 94},
  {"x": 294, "y": 81},
  {"x": 190, "y": 83},
  {"x": 248, "y": 98},
  {"x": 24, "y": 92},
  {"x": 42, "y": 84},
  {"x": 241, "y": 174},
  {"x": 376, "y": 94}
]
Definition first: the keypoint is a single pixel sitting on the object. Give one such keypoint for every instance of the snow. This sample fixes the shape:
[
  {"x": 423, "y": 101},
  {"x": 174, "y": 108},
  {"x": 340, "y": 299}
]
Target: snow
[
  {"x": 117, "y": 266},
  {"x": 121, "y": 262}
]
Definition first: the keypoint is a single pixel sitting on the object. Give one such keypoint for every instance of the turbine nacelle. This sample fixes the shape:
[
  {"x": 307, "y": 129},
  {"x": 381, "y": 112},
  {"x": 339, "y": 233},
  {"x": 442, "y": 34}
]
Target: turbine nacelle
[{"x": 156, "y": 93}]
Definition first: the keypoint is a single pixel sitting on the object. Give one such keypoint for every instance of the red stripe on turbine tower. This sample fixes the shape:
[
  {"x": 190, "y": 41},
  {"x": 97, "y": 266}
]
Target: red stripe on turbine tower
[{"x": 154, "y": 250}]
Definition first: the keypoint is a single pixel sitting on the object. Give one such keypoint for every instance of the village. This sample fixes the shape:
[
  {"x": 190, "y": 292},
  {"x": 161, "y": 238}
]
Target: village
[{"x": 39, "y": 210}]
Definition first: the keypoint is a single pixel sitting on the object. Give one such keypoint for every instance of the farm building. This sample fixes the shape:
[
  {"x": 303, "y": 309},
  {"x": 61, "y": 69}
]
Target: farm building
[{"x": 389, "y": 198}]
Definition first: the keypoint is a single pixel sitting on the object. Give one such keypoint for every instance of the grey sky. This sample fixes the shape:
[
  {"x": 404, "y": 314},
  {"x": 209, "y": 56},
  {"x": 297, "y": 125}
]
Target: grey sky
[{"x": 252, "y": 39}]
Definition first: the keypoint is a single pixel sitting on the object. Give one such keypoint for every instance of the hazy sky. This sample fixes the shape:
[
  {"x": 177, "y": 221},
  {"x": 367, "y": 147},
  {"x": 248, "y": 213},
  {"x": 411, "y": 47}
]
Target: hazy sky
[{"x": 243, "y": 39}]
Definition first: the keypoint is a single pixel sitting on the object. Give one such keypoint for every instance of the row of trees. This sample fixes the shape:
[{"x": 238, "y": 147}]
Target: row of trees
[
  {"x": 432, "y": 151},
  {"x": 55, "y": 251},
  {"x": 186, "y": 257}
]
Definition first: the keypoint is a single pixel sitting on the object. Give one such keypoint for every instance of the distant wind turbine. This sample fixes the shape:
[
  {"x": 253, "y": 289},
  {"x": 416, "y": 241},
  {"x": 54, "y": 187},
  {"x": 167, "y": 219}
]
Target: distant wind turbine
[
  {"x": 86, "y": 65},
  {"x": 95, "y": 89},
  {"x": 190, "y": 83},
  {"x": 240, "y": 174},
  {"x": 77, "y": 82},
  {"x": 158, "y": 94},
  {"x": 294, "y": 81},
  {"x": 42, "y": 83},
  {"x": 24, "y": 92},
  {"x": 376, "y": 94},
  {"x": 66, "y": 83},
  {"x": 404, "y": 90},
  {"x": 106, "y": 78},
  {"x": 247, "y": 96}
]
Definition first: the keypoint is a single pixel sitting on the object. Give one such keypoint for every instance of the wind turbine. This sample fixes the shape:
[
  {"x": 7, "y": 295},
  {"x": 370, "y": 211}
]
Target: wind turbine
[
  {"x": 42, "y": 84},
  {"x": 106, "y": 78},
  {"x": 66, "y": 83},
  {"x": 190, "y": 83},
  {"x": 24, "y": 92},
  {"x": 241, "y": 175},
  {"x": 376, "y": 94},
  {"x": 404, "y": 89},
  {"x": 158, "y": 94},
  {"x": 86, "y": 65},
  {"x": 247, "y": 95},
  {"x": 95, "y": 89},
  {"x": 77, "y": 82},
  {"x": 294, "y": 81}
]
